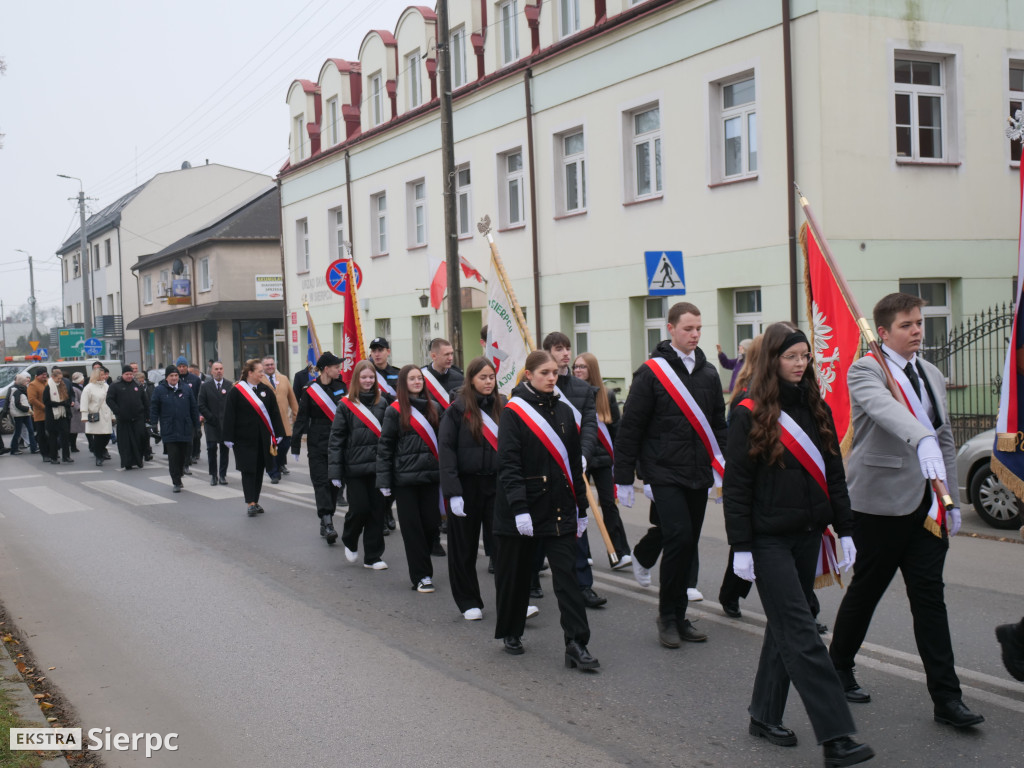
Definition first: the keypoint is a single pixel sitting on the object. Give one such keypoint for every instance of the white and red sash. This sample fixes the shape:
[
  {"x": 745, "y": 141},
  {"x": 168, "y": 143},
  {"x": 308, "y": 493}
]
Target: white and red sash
[
  {"x": 364, "y": 414},
  {"x": 249, "y": 393},
  {"x": 490, "y": 429},
  {"x": 382, "y": 382},
  {"x": 421, "y": 426},
  {"x": 319, "y": 395},
  {"x": 547, "y": 436},
  {"x": 691, "y": 410},
  {"x": 440, "y": 393},
  {"x": 936, "y": 518},
  {"x": 603, "y": 435}
]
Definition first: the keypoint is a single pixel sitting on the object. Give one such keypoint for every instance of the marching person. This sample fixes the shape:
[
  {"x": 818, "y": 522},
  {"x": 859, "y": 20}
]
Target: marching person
[
  {"x": 175, "y": 410},
  {"x": 76, "y": 426},
  {"x": 188, "y": 379},
  {"x": 407, "y": 467},
  {"x": 57, "y": 399},
  {"x": 132, "y": 409},
  {"x": 213, "y": 395},
  {"x": 784, "y": 484},
  {"x": 21, "y": 414},
  {"x": 540, "y": 496},
  {"x": 442, "y": 381},
  {"x": 352, "y": 463},
  {"x": 96, "y": 414},
  {"x": 252, "y": 428},
  {"x": 35, "y": 390},
  {"x": 672, "y": 426},
  {"x": 897, "y": 451},
  {"x": 317, "y": 408},
  {"x": 387, "y": 380},
  {"x": 468, "y": 454},
  {"x": 147, "y": 388},
  {"x": 288, "y": 407},
  {"x": 586, "y": 368}
]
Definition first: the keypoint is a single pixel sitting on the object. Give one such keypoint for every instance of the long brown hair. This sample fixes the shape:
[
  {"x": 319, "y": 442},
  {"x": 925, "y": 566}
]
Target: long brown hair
[
  {"x": 765, "y": 433},
  {"x": 468, "y": 395},
  {"x": 404, "y": 407},
  {"x": 604, "y": 408},
  {"x": 739, "y": 389},
  {"x": 362, "y": 365}
]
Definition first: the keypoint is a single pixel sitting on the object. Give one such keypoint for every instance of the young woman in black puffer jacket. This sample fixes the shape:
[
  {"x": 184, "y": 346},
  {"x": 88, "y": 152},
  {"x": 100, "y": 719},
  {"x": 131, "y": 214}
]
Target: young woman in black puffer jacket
[
  {"x": 352, "y": 463},
  {"x": 407, "y": 467}
]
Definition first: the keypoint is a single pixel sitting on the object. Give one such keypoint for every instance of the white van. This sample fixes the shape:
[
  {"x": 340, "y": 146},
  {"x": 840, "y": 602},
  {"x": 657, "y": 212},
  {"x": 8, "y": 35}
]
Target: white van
[{"x": 9, "y": 370}]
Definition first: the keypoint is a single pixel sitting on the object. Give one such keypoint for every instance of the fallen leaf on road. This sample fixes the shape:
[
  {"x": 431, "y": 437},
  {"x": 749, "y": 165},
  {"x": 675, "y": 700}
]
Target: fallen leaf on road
[
  {"x": 40, "y": 696},
  {"x": 52, "y": 668},
  {"x": 45, "y": 705},
  {"x": 21, "y": 667}
]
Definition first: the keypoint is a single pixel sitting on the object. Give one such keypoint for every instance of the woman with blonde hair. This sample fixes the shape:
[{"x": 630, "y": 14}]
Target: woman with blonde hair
[{"x": 97, "y": 417}]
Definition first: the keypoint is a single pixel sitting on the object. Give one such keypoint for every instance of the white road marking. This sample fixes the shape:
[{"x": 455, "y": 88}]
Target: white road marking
[
  {"x": 216, "y": 493},
  {"x": 79, "y": 471},
  {"x": 126, "y": 492},
  {"x": 48, "y": 500}
]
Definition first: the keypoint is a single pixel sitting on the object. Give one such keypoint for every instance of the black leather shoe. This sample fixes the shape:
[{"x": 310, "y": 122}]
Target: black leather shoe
[
  {"x": 513, "y": 645},
  {"x": 252, "y": 511},
  {"x": 536, "y": 593},
  {"x": 259, "y": 509},
  {"x": 176, "y": 489},
  {"x": 69, "y": 460},
  {"x": 845, "y": 751},
  {"x": 957, "y": 714},
  {"x": 668, "y": 633},
  {"x": 688, "y": 633},
  {"x": 854, "y": 693},
  {"x": 1013, "y": 650},
  {"x": 577, "y": 655},
  {"x": 213, "y": 479},
  {"x": 390, "y": 522},
  {"x": 285, "y": 471},
  {"x": 731, "y": 608},
  {"x": 275, "y": 480},
  {"x": 778, "y": 735},
  {"x": 592, "y": 599},
  {"x": 99, "y": 462},
  {"x": 223, "y": 480},
  {"x": 186, "y": 471},
  {"x": 327, "y": 528},
  {"x": 438, "y": 550}
]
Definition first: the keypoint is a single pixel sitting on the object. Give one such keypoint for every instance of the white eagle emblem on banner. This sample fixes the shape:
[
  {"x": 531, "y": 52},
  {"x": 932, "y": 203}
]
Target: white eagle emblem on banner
[{"x": 825, "y": 361}]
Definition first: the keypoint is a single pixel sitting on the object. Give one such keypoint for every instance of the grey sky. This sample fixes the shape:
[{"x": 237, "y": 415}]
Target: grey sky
[{"x": 115, "y": 91}]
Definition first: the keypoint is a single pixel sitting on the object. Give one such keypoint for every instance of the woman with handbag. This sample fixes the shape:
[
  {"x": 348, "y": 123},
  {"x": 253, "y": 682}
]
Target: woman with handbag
[
  {"x": 96, "y": 414},
  {"x": 57, "y": 402}
]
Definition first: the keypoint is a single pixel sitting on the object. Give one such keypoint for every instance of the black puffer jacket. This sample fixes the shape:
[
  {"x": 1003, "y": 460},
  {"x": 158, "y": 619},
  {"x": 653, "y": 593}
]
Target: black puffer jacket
[
  {"x": 529, "y": 479},
  {"x": 451, "y": 380},
  {"x": 654, "y": 433},
  {"x": 312, "y": 422},
  {"x": 601, "y": 459},
  {"x": 403, "y": 458},
  {"x": 460, "y": 452},
  {"x": 762, "y": 499},
  {"x": 352, "y": 449},
  {"x": 581, "y": 395}
]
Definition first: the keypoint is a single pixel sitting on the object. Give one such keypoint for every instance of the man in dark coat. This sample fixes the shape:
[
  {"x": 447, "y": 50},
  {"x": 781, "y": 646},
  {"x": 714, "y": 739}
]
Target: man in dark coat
[
  {"x": 127, "y": 400},
  {"x": 188, "y": 379},
  {"x": 177, "y": 412},
  {"x": 212, "y": 396}
]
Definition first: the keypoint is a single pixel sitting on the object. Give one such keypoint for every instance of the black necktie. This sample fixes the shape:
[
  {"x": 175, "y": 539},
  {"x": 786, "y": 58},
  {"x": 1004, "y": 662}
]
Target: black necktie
[{"x": 915, "y": 380}]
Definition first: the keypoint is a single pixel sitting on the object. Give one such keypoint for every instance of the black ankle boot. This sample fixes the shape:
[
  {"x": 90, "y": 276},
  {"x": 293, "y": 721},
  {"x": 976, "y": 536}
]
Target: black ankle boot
[{"x": 327, "y": 528}]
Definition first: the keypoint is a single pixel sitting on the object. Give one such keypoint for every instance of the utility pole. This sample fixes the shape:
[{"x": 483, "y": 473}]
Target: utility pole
[
  {"x": 33, "y": 335},
  {"x": 448, "y": 172},
  {"x": 85, "y": 258}
]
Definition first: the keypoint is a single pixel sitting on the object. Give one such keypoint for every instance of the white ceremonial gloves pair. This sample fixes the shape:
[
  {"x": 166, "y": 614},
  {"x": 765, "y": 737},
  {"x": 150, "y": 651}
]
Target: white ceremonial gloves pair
[
  {"x": 581, "y": 526},
  {"x": 930, "y": 456},
  {"x": 458, "y": 506},
  {"x": 336, "y": 483},
  {"x": 849, "y": 553},
  {"x": 625, "y": 495},
  {"x": 385, "y": 491},
  {"x": 953, "y": 525},
  {"x": 743, "y": 565},
  {"x": 524, "y": 524}
]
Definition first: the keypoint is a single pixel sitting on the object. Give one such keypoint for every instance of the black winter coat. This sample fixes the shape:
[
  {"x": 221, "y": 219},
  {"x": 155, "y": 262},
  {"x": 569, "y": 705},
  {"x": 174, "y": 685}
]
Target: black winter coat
[
  {"x": 655, "y": 435},
  {"x": 212, "y": 400},
  {"x": 460, "y": 453},
  {"x": 581, "y": 395},
  {"x": 769, "y": 500},
  {"x": 244, "y": 427},
  {"x": 175, "y": 411},
  {"x": 402, "y": 456},
  {"x": 128, "y": 401},
  {"x": 352, "y": 447},
  {"x": 312, "y": 422},
  {"x": 48, "y": 401},
  {"x": 529, "y": 479},
  {"x": 451, "y": 380},
  {"x": 601, "y": 459}
]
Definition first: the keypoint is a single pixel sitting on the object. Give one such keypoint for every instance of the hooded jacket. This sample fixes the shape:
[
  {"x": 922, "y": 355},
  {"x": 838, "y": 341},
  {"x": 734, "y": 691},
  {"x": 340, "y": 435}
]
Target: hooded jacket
[{"x": 403, "y": 458}]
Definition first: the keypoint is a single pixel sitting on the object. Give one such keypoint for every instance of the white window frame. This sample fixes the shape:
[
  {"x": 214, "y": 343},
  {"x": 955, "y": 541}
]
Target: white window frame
[
  {"x": 299, "y": 127},
  {"x": 949, "y": 58},
  {"x": 147, "y": 289},
  {"x": 457, "y": 53},
  {"x": 508, "y": 32},
  {"x": 932, "y": 311},
  {"x": 379, "y": 222},
  {"x": 571, "y": 163},
  {"x": 569, "y": 16},
  {"x": 719, "y": 114},
  {"x": 580, "y": 328},
  {"x": 416, "y": 205},
  {"x": 463, "y": 201},
  {"x": 333, "y": 116},
  {"x": 203, "y": 268},
  {"x": 96, "y": 257},
  {"x": 414, "y": 80},
  {"x": 658, "y": 323},
  {"x": 1015, "y": 100},
  {"x": 651, "y": 138},
  {"x": 376, "y": 90},
  {"x": 754, "y": 319},
  {"x": 302, "y": 258},
  {"x": 108, "y": 254},
  {"x": 511, "y": 188},
  {"x": 336, "y": 231}
]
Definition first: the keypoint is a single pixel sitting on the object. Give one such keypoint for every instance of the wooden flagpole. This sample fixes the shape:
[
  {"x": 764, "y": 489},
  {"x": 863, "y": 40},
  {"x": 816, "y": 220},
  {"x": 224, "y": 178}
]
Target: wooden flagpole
[{"x": 317, "y": 350}]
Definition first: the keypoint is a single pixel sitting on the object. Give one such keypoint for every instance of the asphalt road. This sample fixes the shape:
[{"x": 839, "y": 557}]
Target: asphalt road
[{"x": 261, "y": 646}]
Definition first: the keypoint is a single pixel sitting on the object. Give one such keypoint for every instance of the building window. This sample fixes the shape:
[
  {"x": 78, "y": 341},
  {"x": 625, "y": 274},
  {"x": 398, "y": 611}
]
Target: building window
[
  {"x": 64, "y": 267},
  {"x": 163, "y": 288},
  {"x": 302, "y": 245},
  {"x": 574, "y": 176},
  {"x": 511, "y": 167},
  {"x": 938, "y": 316},
  {"x": 457, "y": 51},
  {"x": 412, "y": 68},
  {"x": 204, "y": 274},
  {"x": 921, "y": 100},
  {"x": 76, "y": 265},
  {"x": 463, "y": 207},
  {"x": 333, "y": 117},
  {"x": 376, "y": 99},
  {"x": 422, "y": 336},
  {"x": 581, "y": 327},
  {"x": 106, "y": 247},
  {"x": 379, "y": 209},
  {"x": 298, "y": 130},
  {"x": 645, "y": 125},
  {"x": 96, "y": 257},
  {"x": 655, "y": 321},
  {"x": 382, "y": 327},
  {"x": 734, "y": 130},
  {"x": 147, "y": 289},
  {"x": 1016, "y": 102},
  {"x": 568, "y": 17},
  {"x": 508, "y": 31},
  {"x": 746, "y": 314},
  {"x": 416, "y": 205},
  {"x": 336, "y": 233}
]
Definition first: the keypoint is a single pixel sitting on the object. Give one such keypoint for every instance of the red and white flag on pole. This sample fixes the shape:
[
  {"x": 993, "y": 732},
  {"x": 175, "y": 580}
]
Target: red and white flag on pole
[
  {"x": 439, "y": 278},
  {"x": 352, "y": 329},
  {"x": 507, "y": 347}
]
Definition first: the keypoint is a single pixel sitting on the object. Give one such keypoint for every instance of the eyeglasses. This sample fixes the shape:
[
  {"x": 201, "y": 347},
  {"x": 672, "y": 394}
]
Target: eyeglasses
[
  {"x": 794, "y": 356},
  {"x": 579, "y": 367}
]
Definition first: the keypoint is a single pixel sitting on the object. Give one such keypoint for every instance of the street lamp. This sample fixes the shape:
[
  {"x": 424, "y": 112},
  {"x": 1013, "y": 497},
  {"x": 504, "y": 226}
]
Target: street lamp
[
  {"x": 34, "y": 333},
  {"x": 86, "y": 292}
]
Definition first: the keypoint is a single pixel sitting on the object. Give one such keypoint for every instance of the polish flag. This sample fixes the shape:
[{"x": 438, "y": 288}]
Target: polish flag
[
  {"x": 438, "y": 282},
  {"x": 469, "y": 270}
]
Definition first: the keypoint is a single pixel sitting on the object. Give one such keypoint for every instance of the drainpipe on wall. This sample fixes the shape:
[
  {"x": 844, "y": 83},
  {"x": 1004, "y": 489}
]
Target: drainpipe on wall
[
  {"x": 284, "y": 284},
  {"x": 527, "y": 77},
  {"x": 787, "y": 55}
]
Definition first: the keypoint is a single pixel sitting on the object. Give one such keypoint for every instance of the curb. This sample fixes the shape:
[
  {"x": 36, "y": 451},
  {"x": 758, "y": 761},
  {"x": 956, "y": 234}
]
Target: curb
[{"x": 27, "y": 708}]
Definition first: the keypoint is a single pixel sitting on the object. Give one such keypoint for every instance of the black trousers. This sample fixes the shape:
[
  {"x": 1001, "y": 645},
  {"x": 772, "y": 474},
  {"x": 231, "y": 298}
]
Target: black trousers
[
  {"x": 281, "y": 460},
  {"x": 792, "y": 648},
  {"x": 419, "y": 516},
  {"x": 602, "y": 479},
  {"x": 478, "y": 493},
  {"x": 42, "y": 439},
  {"x": 58, "y": 431},
  {"x": 197, "y": 443},
  {"x": 177, "y": 459},
  {"x": 650, "y": 548},
  {"x": 885, "y": 545},
  {"x": 98, "y": 445},
  {"x": 733, "y": 587},
  {"x": 252, "y": 479},
  {"x": 324, "y": 492},
  {"x": 217, "y": 455},
  {"x": 365, "y": 517},
  {"x": 513, "y": 567}
]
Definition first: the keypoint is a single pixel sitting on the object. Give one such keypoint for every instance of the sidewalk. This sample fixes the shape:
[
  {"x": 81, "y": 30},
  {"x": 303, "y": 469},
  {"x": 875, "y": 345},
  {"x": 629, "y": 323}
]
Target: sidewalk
[{"x": 24, "y": 703}]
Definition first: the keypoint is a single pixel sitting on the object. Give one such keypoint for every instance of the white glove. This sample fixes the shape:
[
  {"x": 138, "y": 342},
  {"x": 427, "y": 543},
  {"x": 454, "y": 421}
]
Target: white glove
[
  {"x": 278, "y": 440},
  {"x": 458, "y": 506},
  {"x": 743, "y": 565},
  {"x": 524, "y": 524},
  {"x": 625, "y": 494},
  {"x": 385, "y": 491},
  {"x": 229, "y": 445},
  {"x": 953, "y": 524},
  {"x": 648, "y": 492},
  {"x": 849, "y": 553},
  {"x": 336, "y": 483},
  {"x": 930, "y": 456},
  {"x": 581, "y": 525},
  {"x": 583, "y": 459}
]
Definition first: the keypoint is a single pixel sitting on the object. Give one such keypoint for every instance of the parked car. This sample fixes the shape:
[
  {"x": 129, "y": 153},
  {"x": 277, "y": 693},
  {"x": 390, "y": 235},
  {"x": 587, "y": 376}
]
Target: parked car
[{"x": 994, "y": 502}]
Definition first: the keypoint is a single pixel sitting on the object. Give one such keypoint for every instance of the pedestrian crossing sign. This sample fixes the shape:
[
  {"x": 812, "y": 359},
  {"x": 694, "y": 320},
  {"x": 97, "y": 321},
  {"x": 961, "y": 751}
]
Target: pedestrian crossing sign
[{"x": 665, "y": 273}]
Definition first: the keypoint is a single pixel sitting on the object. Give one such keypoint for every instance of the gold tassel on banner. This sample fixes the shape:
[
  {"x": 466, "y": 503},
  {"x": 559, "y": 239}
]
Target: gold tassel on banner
[
  {"x": 825, "y": 580},
  {"x": 933, "y": 527},
  {"x": 1008, "y": 478},
  {"x": 1007, "y": 441}
]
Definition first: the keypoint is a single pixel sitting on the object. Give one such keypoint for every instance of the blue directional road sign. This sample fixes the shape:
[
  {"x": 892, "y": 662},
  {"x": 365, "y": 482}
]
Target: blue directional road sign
[
  {"x": 93, "y": 347},
  {"x": 665, "y": 273},
  {"x": 44, "y": 353}
]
